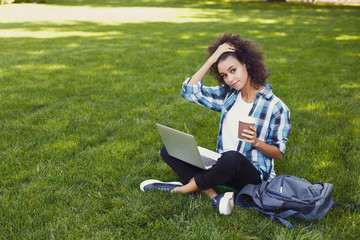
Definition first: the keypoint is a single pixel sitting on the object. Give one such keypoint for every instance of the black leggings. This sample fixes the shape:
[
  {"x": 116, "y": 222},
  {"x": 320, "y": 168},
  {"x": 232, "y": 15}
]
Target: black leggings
[{"x": 232, "y": 169}]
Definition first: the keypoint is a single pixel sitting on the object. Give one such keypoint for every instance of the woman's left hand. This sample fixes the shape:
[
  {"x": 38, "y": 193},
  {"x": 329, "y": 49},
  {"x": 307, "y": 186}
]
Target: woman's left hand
[{"x": 251, "y": 135}]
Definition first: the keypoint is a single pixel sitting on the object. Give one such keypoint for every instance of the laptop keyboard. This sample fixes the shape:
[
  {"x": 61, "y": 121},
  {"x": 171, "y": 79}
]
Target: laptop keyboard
[{"x": 208, "y": 162}]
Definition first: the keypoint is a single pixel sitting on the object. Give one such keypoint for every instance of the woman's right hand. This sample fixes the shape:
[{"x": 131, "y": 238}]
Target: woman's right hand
[
  {"x": 200, "y": 74},
  {"x": 225, "y": 47}
]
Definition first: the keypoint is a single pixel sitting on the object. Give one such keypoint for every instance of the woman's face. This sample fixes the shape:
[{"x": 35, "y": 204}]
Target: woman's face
[{"x": 233, "y": 72}]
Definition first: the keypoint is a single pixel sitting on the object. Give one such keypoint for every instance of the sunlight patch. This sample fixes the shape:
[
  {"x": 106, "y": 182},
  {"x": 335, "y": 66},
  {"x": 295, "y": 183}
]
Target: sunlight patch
[
  {"x": 35, "y": 52},
  {"x": 243, "y": 19},
  {"x": 48, "y": 13},
  {"x": 63, "y": 145},
  {"x": 186, "y": 36},
  {"x": 265, "y": 21},
  {"x": 279, "y": 34},
  {"x": 323, "y": 164},
  {"x": 43, "y": 66},
  {"x": 118, "y": 73},
  {"x": 72, "y": 45},
  {"x": 281, "y": 60},
  {"x": 25, "y": 66},
  {"x": 347, "y": 37},
  {"x": 334, "y": 114},
  {"x": 349, "y": 86},
  {"x": 312, "y": 106},
  {"x": 54, "y": 66},
  {"x": 23, "y": 32}
]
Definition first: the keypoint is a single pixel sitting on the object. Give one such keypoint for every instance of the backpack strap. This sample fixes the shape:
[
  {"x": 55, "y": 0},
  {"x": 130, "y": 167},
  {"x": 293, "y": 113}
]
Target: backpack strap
[
  {"x": 247, "y": 190},
  {"x": 251, "y": 189}
]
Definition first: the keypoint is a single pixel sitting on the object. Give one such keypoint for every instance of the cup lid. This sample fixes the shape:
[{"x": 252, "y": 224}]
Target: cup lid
[{"x": 247, "y": 119}]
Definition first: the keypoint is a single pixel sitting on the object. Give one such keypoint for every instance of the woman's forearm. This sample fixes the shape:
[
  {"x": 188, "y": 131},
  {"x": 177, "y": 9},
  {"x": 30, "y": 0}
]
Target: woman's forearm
[
  {"x": 200, "y": 74},
  {"x": 267, "y": 149}
]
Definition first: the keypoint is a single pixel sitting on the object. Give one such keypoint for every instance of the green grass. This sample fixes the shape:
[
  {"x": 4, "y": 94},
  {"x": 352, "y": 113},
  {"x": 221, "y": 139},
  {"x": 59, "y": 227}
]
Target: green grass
[{"x": 80, "y": 94}]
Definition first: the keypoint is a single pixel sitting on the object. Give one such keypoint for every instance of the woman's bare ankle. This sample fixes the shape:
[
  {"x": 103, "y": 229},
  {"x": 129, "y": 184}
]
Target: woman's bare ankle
[
  {"x": 210, "y": 193},
  {"x": 176, "y": 189}
]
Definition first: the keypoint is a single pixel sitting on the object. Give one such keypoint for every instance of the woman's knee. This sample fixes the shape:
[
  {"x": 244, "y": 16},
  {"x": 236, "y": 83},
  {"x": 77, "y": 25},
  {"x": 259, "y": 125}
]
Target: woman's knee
[
  {"x": 233, "y": 158},
  {"x": 235, "y": 161}
]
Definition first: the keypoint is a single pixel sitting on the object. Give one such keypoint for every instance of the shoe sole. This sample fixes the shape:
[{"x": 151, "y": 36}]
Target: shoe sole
[
  {"x": 226, "y": 205},
  {"x": 151, "y": 181}
]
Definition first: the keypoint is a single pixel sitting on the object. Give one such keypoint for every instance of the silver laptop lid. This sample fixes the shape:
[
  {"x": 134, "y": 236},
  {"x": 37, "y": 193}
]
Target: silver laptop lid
[{"x": 180, "y": 145}]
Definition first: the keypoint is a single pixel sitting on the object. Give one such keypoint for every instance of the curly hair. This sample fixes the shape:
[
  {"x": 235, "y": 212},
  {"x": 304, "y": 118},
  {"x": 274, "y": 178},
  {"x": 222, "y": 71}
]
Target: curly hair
[{"x": 247, "y": 52}]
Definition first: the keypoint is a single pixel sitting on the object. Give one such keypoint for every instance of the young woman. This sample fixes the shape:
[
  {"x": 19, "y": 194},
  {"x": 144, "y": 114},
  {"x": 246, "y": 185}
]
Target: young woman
[{"x": 238, "y": 66}]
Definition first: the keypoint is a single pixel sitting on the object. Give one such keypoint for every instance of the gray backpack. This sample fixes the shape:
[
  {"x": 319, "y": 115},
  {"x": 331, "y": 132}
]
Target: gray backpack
[{"x": 290, "y": 194}]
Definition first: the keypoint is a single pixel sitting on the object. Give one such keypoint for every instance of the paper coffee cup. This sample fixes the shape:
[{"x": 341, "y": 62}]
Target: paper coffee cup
[{"x": 245, "y": 123}]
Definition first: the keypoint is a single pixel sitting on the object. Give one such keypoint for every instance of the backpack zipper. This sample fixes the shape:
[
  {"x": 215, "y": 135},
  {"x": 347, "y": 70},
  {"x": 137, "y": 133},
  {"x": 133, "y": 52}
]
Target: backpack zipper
[
  {"x": 282, "y": 184},
  {"x": 280, "y": 190},
  {"x": 278, "y": 194}
]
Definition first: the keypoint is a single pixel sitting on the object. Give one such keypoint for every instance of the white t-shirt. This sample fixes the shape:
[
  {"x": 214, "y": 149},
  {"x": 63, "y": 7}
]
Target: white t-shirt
[{"x": 239, "y": 110}]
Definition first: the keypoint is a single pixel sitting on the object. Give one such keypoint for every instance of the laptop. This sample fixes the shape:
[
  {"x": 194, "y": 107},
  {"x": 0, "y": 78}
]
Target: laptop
[{"x": 183, "y": 146}]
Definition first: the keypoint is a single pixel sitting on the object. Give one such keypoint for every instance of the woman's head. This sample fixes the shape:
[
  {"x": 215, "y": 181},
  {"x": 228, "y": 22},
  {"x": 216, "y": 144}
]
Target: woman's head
[{"x": 247, "y": 52}]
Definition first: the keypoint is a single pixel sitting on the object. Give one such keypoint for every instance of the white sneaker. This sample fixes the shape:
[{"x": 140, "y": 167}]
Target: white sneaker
[{"x": 224, "y": 202}]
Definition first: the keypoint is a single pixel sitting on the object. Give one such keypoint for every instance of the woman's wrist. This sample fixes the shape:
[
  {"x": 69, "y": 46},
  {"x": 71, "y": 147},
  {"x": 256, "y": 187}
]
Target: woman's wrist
[
  {"x": 212, "y": 60},
  {"x": 256, "y": 143}
]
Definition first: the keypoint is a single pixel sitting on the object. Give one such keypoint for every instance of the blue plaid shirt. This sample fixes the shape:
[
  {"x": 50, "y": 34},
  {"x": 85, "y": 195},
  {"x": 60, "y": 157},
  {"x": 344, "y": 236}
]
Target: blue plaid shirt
[{"x": 271, "y": 114}]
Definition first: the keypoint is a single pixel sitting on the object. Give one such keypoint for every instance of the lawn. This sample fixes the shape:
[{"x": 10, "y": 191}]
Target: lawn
[{"x": 82, "y": 84}]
